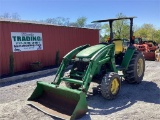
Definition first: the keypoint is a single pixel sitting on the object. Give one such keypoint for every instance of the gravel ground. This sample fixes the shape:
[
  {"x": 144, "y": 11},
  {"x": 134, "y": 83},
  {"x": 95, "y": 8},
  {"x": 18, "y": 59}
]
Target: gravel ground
[{"x": 135, "y": 102}]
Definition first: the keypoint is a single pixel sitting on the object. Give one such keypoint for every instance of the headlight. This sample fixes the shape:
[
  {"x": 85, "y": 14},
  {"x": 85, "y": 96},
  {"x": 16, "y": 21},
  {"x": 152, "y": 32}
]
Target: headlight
[
  {"x": 86, "y": 59},
  {"x": 76, "y": 59}
]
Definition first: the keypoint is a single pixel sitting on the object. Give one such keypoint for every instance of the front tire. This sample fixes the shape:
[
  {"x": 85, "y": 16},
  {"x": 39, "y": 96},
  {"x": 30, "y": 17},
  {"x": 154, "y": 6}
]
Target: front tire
[{"x": 110, "y": 85}]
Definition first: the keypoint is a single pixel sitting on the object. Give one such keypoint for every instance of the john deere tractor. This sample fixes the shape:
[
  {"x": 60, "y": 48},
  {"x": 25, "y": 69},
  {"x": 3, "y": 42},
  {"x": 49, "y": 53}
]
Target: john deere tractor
[{"x": 102, "y": 61}]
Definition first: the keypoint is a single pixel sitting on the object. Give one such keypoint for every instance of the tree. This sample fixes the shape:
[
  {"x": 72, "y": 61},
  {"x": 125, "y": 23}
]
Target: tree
[
  {"x": 5, "y": 15},
  {"x": 49, "y": 20},
  {"x": 94, "y": 26},
  {"x": 57, "y": 21},
  {"x": 120, "y": 28},
  {"x": 62, "y": 21},
  {"x": 14, "y": 16},
  {"x": 157, "y": 36},
  {"x": 81, "y": 21},
  {"x": 73, "y": 24},
  {"x": 146, "y": 31}
]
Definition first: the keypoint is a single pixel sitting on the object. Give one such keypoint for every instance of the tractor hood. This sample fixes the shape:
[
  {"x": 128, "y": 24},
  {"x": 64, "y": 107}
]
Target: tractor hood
[{"x": 90, "y": 51}]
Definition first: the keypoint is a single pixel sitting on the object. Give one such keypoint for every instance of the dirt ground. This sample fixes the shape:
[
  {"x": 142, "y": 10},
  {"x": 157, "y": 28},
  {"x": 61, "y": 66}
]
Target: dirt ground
[{"x": 135, "y": 102}]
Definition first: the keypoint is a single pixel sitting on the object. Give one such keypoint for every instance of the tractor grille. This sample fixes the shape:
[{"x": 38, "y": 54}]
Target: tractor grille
[
  {"x": 80, "y": 66},
  {"x": 78, "y": 70}
]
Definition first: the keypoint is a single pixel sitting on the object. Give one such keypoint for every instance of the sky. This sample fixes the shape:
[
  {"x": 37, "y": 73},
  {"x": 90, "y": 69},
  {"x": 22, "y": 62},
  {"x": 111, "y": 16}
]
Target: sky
[{"x": 147, "y": 11}]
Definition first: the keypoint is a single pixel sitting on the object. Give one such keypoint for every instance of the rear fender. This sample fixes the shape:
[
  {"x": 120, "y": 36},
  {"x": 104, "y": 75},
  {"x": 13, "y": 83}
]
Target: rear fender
[{"x": 128, "y": 56}]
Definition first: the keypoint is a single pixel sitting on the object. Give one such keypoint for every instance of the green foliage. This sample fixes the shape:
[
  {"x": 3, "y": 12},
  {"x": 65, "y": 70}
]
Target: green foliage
[
  {"x": 104, "y": 38},
  {"x": 57, "y": 59},
  {"x": 105, "y": 29},
  {"x": 81, "y": 21},
  {"x": 120, "y": 28},
  {"x": 11, "y": 64},
  {"x": 148, "y": 32},
  {"x": 157, "y": 36}
]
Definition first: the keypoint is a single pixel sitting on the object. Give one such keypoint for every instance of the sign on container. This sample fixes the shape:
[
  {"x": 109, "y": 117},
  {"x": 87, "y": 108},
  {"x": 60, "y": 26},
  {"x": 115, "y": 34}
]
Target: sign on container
[{"x": 26, "y": 41}]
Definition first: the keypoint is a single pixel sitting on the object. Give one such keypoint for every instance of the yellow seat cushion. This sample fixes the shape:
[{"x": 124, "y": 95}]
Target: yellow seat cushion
[{"x": 118, "y": 46}]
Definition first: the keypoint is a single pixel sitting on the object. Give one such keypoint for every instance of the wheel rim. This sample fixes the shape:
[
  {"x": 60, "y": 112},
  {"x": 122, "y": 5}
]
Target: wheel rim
[
  {"x": 114, "y": 86},
  {"x": 140, "y": 67}
]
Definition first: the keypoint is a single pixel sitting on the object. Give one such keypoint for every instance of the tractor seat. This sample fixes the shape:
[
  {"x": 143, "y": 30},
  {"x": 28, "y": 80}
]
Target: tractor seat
[{"x": 118, "y": 46}]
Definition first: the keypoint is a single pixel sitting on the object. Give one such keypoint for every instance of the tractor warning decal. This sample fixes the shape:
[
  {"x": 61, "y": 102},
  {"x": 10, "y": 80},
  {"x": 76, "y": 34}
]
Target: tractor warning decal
[{"x": 26, "y": 41}]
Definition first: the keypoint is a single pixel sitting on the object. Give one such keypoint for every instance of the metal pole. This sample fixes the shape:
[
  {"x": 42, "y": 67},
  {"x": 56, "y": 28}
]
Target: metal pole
[
  {"x": 111, "y": 31},
  {"x": 131, "y": 31}
]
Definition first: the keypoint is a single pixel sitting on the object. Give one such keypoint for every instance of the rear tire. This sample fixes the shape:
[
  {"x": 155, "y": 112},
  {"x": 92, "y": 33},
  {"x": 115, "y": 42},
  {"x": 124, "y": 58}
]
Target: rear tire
[
  {"x": 136, "y": 68},
  {"x": 110, "y": 85},
  {"x": 70, "y": 85}
]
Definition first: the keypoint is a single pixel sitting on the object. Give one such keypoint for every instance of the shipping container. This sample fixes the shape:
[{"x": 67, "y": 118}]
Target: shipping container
[{"x": 32, "y": 41}]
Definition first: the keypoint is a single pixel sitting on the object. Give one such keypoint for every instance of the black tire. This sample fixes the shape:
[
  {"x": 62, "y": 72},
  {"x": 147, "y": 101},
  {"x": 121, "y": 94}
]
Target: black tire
[
  {"x": 70, "y": 85},
  {"x": 136, "y": 68},
  {"x": 108, "y": 88}
]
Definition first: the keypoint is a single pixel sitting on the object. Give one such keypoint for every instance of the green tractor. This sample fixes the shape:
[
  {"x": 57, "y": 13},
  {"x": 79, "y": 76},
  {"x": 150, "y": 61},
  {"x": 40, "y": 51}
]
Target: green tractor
[{"x": 102, "y": 61}]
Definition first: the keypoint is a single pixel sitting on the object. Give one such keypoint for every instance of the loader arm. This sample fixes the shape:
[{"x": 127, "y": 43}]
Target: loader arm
[
  {"x": 65, "y": 62},
  {"x": 97, "y": 60}
]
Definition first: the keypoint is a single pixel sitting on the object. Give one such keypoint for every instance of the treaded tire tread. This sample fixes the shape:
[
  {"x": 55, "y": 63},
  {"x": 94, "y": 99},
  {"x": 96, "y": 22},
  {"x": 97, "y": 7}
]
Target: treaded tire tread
[
  {"x": 106, "y": 85},
  {"x": 130, "y": 74}
]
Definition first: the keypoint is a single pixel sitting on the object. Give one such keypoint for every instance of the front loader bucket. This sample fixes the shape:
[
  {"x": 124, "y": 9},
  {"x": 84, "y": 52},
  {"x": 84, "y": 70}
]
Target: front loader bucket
[{"x": 59, "y": 101}]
